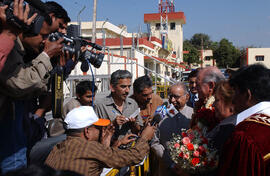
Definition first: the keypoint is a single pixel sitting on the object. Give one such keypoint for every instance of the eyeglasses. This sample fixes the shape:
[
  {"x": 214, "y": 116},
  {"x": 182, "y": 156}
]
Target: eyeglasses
[{"x": 177, "y": 97}]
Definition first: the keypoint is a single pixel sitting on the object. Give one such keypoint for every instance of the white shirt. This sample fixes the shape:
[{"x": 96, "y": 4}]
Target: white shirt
[{"x": 260, "y": 108}]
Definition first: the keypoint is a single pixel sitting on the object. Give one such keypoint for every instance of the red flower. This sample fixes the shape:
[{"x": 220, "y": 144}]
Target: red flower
[
  {"x": 184, "y": 134},
  {"x": 176, "y": 145},
  {"x": 201, "y": 149},
  {"x": 186, "y": 140},
  {"x": 196, "y": 153},
  {"x": 195, "y": 161},
  {"x": 181, "y": 154},
  {"x": 191, "y": 136},
  {"x": 190, "y": 146}
]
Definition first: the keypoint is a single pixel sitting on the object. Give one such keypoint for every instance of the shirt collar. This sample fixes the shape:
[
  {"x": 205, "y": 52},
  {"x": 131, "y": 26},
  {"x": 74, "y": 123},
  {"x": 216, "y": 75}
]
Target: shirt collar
[
  {"x": 109, "y": 100},
  {"x": 262, "y": 107}
]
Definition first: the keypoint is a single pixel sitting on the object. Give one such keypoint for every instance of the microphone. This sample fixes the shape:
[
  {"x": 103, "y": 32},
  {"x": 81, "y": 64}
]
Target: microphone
[
  {"x": 84, "y": 66},
  {"x": 156, "y": 119}
]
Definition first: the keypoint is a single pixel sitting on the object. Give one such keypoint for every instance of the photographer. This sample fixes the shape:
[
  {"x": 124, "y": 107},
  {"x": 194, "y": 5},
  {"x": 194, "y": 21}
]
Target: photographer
[
  {"x": 23, "y": 76},
  {"x": 25, "y": 73}
]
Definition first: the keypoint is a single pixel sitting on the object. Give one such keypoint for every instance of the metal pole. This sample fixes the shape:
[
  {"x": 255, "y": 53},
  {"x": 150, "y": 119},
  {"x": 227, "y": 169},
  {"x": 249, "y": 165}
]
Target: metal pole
[
  {"x": 121, "y": 43},
  {"x": 94, "y": 22},
  {"x": 155, "y": 65},
  {"x": 103, "y": 34},
  {"x": 79, "y": 20},
  {"x": 131, "y": 64}
]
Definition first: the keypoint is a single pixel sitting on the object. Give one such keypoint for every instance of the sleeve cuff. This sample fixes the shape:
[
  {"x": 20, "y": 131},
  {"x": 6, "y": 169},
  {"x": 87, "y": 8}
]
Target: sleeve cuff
[{"x": 45, "y": 54}]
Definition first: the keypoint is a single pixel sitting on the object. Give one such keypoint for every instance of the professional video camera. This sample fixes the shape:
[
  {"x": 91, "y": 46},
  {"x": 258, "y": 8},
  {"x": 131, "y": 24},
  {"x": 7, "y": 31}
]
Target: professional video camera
[
  {"x": 73, "y": 46},
  {"x": 36, "y": 6}
]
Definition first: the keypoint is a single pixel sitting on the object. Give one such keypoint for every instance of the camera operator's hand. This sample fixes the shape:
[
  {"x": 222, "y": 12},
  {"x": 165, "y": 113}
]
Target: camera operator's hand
[
  {"x": 125, "y": 140},
  {"x": 107, "y": 133},
  {"x": 3, "y": 14},
  {"x": 53, "y": 48},
  {"x": 20, "y": 13},
  {"x": 148, "y": 132}
]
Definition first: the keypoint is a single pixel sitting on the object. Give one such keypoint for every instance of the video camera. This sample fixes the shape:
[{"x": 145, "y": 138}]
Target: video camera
[
  {"x": 36, "y": 6},
  {"x": 73, "y": 46}
]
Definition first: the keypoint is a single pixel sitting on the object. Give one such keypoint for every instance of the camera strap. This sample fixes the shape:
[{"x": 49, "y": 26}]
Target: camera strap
[{"x": 57, "y": 92}]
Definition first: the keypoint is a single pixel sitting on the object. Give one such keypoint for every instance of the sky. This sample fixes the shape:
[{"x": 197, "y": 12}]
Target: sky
[{"x": 243, "y": 22}]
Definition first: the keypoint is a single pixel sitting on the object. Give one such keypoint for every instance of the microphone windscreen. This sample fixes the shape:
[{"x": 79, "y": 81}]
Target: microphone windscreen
[
  {"x": 84, "y": 66},
  {"x": 156, "y": 119}
]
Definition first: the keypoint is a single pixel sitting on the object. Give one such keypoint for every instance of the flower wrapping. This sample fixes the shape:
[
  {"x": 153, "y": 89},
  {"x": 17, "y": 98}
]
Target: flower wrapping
[{"x": 192, "y": 152}]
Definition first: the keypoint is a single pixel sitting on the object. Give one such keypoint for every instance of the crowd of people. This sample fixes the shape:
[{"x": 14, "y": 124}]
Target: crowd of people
[{"x": 120, "y": 129}]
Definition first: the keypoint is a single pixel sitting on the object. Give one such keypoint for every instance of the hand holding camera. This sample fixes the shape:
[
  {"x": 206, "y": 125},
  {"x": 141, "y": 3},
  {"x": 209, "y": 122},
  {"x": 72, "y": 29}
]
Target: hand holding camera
[
  {"x": 14, "y": 21},
  {"x": 53, "y": 48}
]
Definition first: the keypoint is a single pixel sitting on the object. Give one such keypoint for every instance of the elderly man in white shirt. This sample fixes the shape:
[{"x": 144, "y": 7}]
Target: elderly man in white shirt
[{"x": 176, "y": 118}]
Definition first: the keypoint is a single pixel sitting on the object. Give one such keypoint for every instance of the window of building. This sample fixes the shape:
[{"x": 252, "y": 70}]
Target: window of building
[
  {"x": 157, "y": 26},
  {"x": 172, "y": 26},
  {"x": 259, "y": 58},
  {"x": 208, "y": 58}
]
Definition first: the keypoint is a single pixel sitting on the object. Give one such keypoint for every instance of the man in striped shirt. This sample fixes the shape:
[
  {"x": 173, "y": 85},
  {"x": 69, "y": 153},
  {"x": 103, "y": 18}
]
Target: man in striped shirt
[{"x": 87, "y": 147}]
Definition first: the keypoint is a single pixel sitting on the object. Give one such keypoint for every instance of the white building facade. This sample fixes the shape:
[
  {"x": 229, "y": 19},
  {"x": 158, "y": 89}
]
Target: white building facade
[{"x": 258, "y": 55}]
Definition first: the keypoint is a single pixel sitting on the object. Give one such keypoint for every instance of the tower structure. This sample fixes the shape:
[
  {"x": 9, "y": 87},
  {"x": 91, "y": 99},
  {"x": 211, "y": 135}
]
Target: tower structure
[
  {"x": 167, "y": 25},
  {"x": 165, "y": 7}
]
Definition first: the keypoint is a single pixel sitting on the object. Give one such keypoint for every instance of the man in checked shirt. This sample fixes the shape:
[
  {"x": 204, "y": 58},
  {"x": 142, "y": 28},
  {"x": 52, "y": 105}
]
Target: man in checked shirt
[{"x": 87, "y": 147}]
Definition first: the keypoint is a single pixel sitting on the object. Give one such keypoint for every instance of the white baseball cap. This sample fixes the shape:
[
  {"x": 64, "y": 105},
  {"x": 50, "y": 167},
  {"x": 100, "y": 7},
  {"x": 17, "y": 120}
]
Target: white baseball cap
[{"x": 82, "y": 117}]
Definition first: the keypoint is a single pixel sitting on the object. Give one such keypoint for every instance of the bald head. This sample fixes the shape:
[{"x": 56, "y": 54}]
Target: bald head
[
  {"x": 207, "y": 78},
  {"x": 211, "y": 74}
]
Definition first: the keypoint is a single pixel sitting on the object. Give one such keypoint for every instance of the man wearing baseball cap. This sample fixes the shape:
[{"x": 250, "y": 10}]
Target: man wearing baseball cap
[{"x": 87, "y": 150}]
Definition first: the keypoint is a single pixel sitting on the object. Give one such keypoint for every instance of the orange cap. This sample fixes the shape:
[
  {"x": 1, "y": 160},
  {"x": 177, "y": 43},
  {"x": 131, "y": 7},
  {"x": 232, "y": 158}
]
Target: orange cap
[{"x": 102, "y": 122}]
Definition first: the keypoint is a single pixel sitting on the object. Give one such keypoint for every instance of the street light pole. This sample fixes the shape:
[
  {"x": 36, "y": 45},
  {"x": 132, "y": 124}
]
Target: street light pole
[
  {"x": 121, "y": 43},
  {"x": 103, "y": 34},
  {"x": 94, "y": 22},
  {"x": 79, "y": 19}
]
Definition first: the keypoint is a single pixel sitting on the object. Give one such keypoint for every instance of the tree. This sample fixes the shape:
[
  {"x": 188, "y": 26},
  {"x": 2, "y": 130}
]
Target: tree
[
  {"x": 193, "y": 55},
  {"x": 198, "y": 40},
  {"x": 226, "y": 54}
]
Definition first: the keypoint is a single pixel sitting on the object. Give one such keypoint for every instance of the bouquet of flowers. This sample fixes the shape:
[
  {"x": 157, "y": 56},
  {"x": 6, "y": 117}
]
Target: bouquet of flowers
[
  {"x": 191, "y": 151},
  {"x": 206, "y": 116}
]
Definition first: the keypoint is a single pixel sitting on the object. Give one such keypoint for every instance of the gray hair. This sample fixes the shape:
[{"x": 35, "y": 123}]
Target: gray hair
[
  {"x": 182, "y": 85},
  {"x": 212, "y": 74},
  {"x": 119, "y": 74}
]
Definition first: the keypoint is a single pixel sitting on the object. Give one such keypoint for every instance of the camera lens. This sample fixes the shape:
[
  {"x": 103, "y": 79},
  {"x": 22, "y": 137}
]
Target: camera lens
[{"x": 95, "y": 59}]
